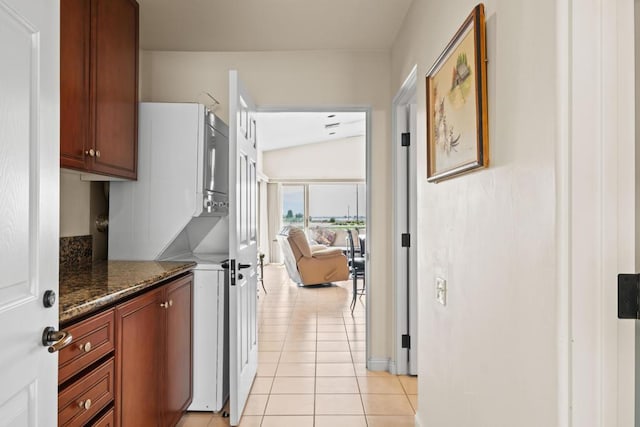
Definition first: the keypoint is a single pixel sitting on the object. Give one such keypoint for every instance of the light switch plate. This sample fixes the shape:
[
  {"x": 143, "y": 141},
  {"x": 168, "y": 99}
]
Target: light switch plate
[{"x": 441, "y": 290}]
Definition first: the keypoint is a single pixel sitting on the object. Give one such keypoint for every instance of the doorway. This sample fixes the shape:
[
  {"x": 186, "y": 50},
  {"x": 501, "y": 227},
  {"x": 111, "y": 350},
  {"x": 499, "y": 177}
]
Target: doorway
[{"x": 326, "y": 151}]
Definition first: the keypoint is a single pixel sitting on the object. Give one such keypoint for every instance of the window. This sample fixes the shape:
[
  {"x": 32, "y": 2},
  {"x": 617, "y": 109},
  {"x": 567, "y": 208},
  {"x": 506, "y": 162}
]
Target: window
[
  {"x": 335, "y": 205},
  {"x": 324, "y": 205},
  {"x": 293, "y": 205}
]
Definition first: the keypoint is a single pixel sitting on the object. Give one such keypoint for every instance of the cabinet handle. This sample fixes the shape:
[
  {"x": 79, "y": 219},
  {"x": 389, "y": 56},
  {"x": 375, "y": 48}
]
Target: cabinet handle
[
  {"x": 86, "y": 347},
  {"x": 97, "y": 153},
  {"x": 170, "y": 302},
  {"x": 84, "y": 404},
  {"x": 90, "y": 153},
  {"x": 164, "y": 304}
]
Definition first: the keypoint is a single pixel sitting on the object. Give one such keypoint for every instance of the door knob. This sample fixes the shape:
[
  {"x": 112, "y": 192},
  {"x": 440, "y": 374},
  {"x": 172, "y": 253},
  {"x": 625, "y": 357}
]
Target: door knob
[
  {"x": 55, "y": 340},
  {"x": 90, "y": 153},
  {"x": 242, "y": 266}
]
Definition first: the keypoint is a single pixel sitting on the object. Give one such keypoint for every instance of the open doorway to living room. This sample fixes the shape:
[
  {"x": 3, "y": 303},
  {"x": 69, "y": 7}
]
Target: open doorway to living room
[{"x": 314, "y": 179}]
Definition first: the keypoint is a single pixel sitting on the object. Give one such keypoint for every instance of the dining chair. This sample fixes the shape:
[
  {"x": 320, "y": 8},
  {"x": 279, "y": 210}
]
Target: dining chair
[{"x": 356, "y": 268}]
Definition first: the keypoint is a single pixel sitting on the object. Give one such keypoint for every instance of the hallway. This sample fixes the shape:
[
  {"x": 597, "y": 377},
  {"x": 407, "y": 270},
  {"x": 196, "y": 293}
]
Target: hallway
[{"x": 311, "y": 367}]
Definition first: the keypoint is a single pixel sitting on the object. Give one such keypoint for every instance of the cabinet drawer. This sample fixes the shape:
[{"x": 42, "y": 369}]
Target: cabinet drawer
[
  {"x": 92, "y": 339},
  {"x": 84, "y": 398},
  {"x": 107, "y": 420}
]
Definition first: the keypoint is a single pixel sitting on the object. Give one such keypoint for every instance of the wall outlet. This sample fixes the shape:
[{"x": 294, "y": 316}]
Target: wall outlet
[{"x": 441, "y": 290}]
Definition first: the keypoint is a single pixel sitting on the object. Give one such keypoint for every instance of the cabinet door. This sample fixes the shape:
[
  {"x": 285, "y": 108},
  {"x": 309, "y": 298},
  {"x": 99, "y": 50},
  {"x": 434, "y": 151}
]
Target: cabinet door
[
  {"x": 74, "y": 81},
  {"x": 114, "y": 71},
  {"x": 140, "y": 331},
  {"x": 179, "y": 374}
]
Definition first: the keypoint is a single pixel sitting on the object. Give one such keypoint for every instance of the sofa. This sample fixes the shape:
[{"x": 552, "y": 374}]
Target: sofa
[
  {"x": 311, "y": 264},
  {"x": 333, "y": 237}
]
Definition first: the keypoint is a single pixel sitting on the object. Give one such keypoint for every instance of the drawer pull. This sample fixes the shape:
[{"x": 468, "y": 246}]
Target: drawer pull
[
  {"x": 164, "y": 304},
  {"x": 85, "y": 404},
  {"x": 86, "y": 347},
  {"x": 170, "y": 302}
]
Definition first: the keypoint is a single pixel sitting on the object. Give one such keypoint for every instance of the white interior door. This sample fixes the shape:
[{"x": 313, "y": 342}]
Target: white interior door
[
  {"x": 243, "y": 334},
  {"x": 29, "y": 193}
]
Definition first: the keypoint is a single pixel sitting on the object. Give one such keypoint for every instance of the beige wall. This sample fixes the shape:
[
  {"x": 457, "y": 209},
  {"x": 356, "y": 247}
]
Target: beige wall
[
  {"x": 74, "y": 204},
  {"x": 300, "y": 79},
  {"x": 489, "y": 358},
  {"x": 339, "y": 159},
  {"x": 80, "y": 204}
]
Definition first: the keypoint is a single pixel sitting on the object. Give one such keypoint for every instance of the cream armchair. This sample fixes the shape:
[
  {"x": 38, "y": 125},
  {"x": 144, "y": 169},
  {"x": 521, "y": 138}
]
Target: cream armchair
[{"x": 311, "y": 265}]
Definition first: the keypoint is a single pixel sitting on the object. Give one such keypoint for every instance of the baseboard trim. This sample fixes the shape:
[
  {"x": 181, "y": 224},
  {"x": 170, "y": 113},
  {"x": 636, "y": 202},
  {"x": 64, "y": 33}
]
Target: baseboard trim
[
  {"x": 375, "y": 364},
  {"x": 416, "y": 421}
]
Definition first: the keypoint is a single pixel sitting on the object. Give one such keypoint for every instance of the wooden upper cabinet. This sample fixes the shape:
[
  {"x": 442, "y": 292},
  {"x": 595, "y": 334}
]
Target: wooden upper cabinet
[
  {"x": 115, "y": 92},
  {"x": 99, "y": 86},
  {"x": 75, "y": 22}
]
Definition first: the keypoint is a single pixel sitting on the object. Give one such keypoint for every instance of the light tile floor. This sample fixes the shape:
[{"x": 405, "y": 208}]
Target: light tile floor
[{"x": 311, "y": 365}]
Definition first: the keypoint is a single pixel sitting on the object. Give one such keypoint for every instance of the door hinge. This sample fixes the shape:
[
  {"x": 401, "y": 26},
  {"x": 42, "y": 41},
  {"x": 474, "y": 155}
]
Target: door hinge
[
  {"x": 628, "y": 296},
  {"x": 406, "y": 341},
  {"x": 406, "y": 240},
  {"x": 405, "y": 139}
]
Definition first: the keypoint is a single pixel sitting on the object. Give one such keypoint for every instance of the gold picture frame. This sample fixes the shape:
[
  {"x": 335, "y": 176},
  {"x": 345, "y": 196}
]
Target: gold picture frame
[{"x": 456, "y": 85}]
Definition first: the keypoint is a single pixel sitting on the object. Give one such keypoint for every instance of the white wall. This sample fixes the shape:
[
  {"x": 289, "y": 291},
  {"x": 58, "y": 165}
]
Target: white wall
[
  {"x": 340, "y": 159},
  {"x": 302, "y": 79},
  {"x": 489, "y": 358}
]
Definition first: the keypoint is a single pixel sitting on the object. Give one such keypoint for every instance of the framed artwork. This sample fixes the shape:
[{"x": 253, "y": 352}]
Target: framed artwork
[{"x": 457, "y": 127}]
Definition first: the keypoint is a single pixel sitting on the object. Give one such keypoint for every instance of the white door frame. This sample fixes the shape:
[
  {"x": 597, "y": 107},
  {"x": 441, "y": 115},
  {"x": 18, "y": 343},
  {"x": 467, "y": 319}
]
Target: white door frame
[
  {"x": 405, "y": 317},
  {"x": 595, "y": 185},
  {"x": 367, "y": 109}
]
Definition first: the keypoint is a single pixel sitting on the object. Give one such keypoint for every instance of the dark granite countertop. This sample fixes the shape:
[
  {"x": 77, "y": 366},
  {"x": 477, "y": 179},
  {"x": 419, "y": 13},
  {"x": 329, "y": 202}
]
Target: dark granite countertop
[{"x": 87, "y": 288}]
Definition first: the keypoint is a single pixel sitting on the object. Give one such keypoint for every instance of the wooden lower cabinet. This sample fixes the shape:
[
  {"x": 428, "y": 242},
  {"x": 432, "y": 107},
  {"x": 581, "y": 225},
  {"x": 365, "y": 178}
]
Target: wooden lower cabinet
[
  {"x": 84, "y": 398},
  {"x": 141, "y": 374},
  {"x": 139, "y": 359},
  {"x": 153, "y": 356},
  {"x": 107, "y": 420},
  {"x": 179, "y": 348}
]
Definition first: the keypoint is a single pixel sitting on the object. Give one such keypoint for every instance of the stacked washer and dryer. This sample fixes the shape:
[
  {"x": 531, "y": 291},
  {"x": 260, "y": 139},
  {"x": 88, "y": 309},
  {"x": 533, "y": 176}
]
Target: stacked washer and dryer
[{"x": 177, "y": 210}]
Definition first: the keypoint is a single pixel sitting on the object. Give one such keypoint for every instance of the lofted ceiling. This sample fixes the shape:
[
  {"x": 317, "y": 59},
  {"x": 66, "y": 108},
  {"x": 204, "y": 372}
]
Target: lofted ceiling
[
  {"x": 283, "y": 130},
  {"x": 267, "y": 25}
]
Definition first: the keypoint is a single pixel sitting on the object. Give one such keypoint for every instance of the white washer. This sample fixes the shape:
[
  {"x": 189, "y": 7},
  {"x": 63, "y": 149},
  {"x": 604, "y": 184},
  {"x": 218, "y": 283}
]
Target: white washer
[{"x": 210, "y": 332}]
